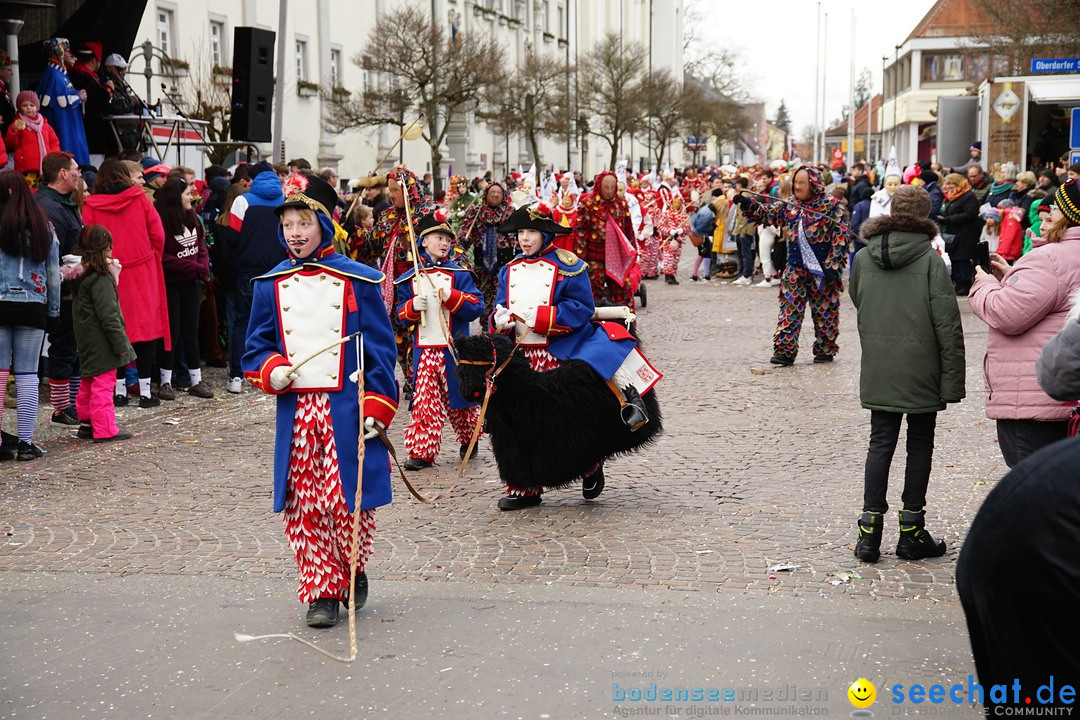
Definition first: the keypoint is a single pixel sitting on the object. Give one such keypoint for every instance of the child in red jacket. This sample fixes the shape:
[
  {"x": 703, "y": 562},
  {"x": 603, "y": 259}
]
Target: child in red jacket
[
  {"x": 30, "y": 137},
  {"x": 1011, "y": 231}
]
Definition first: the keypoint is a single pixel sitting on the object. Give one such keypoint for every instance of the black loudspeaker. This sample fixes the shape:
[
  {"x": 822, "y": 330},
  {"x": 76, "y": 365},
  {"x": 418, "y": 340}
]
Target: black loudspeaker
[{"x": 253, "y": 84}]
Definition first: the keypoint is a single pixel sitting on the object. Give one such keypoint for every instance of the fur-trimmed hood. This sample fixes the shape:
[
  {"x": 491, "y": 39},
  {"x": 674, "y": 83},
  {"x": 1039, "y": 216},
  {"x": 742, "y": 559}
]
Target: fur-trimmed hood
[
  {"x": 898, "y": 223},
  {"x": 895, "y": 241}
]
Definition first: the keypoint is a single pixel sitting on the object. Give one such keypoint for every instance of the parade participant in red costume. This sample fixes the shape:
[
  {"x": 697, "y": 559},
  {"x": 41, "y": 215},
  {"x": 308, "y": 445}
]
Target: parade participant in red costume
[
  {"x": 487, "y": 248},
  {"x": 602, "y": 214},
  {"x": 673, "y": 227},
  {"x": 441, "y": 303}
]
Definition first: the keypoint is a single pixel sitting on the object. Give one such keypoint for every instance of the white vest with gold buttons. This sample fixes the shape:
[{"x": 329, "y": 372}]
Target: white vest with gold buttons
[
  {"x": 306, "y": 326},
  {"x": 530, "y": 285},
  {"x": 430, "y": 330}
]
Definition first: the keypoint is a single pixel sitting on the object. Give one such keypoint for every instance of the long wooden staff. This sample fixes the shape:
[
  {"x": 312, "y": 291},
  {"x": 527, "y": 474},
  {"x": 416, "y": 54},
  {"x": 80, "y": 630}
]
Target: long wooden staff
[
  {"x": 404, "y": 131},
  {"x": 412, "y": 237},
  {"x": 800, "y": 206}
]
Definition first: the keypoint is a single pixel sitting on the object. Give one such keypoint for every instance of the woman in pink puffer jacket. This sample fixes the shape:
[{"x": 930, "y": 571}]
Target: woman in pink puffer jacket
[{"x": 1025, "y": 306}]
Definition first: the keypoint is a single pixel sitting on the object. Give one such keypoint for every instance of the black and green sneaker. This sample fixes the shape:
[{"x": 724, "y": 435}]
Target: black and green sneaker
[
  {"x": 915, "y": 542},
  {"x": 868, "y": 546}
]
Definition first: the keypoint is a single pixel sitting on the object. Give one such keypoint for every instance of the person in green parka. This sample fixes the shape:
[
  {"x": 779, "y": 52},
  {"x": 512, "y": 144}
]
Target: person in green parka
[
  {"x": 912, "y": 363},
  {"x": 100, "y": 334}
]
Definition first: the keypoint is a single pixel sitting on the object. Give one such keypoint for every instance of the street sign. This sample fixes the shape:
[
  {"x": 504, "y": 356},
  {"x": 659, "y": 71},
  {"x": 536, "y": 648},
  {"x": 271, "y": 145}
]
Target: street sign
[
  {"x": 1074, "y": 157},
  {"x": 1055, "y": 65},
  {"x": 1074, "y": 130}
]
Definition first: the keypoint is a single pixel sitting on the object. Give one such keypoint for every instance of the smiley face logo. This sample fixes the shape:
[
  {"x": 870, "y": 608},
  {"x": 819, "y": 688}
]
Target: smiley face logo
[{"x": 862, "y": 693}]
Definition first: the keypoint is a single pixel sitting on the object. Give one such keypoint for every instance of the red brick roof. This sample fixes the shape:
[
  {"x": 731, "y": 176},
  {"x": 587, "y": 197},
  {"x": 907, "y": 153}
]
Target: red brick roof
[
  {"x": 952, "y": 18},
  {"x": 860, "y": 120}
]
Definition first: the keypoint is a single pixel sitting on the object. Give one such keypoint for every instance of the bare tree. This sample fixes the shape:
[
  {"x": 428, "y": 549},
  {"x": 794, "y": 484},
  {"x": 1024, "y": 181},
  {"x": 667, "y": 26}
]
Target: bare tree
[
  {"x": 612, "y": 97},
  {"x": 1014, "y": 33},
  {"x": 421, "y": 69},
  {"x": 708, "y": 112},
  {"x": 533, "y": 101},
  {"x": 864, "y": 87},
  {"x": 207, "y": 95}
]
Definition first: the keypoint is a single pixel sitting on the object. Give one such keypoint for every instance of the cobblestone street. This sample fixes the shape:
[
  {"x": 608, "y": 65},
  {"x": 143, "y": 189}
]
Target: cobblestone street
[{"x": 758, "y": 466}]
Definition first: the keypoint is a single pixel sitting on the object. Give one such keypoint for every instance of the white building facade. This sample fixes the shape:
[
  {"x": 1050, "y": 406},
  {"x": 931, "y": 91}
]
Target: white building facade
[{"x": 323, "y": 36}]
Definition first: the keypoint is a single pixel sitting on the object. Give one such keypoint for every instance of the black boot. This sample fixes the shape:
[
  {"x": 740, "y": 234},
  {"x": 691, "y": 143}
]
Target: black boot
[
  {"x": 323, "y": 613},
  {"x": 868, "y": 546},
  {"x": 593, "y": 485},
  {"x": 519, "y": 502},
  {"x": 464, "y": 448},
  {"x": 782, "y": 360},
  {"x": 633, "y": 412},
  {"x": 361, "y": 590},
  {"x": 415, "y": 463},
  {"x": 915, "y": 543}
]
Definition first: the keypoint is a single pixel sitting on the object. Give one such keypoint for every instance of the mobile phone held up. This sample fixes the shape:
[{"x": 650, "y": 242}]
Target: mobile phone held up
[{"x": 982, "y": 255}]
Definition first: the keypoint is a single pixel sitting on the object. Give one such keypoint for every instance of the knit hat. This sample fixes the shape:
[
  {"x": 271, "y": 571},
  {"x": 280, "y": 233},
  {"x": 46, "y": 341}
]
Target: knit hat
[
  {"x": 911, "y": 200},
  {"x": 928, "y": 176},
  {"x": 1067, "y": 198},
  {"x": 259, "y": 168},
  {"x": 27, "y": 96},
  {"x": 153, "y": 168},
  {"x": 977, "y": 145}
]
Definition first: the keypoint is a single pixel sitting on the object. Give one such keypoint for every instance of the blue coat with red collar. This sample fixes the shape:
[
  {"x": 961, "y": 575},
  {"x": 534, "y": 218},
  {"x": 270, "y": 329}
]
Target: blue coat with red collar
[
  {"x": 463, "y": 300},
  {"x": 362, "y": 310},
  {"x": 564, "y": 315}
]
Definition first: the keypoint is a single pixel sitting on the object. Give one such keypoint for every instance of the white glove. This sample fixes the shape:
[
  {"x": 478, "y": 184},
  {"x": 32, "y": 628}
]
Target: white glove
[
  {"x": 420, "y": 303},
  {"x": 502, "y": 319},
  {"x": 529, "y": 316},
  {"x": 281, "y": 377},
  {"x": 370, "y": 425}
]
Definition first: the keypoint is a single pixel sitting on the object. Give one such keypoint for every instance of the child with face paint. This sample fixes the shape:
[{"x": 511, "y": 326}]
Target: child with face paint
[
  {"x": 312, "y": 299},
  {"x": 441, "y": 303}
]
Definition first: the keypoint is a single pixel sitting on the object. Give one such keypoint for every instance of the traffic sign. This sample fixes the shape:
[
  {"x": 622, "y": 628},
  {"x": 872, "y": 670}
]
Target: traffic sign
[
  {"x": 1074, "y": 131},
  {"x": 1055, "y": 65}
]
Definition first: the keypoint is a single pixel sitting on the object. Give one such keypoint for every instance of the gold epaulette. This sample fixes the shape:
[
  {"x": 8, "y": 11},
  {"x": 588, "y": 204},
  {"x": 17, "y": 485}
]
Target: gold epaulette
[
  {"x": 572, "y": 273},
  {"x": 566, "y": 257}
]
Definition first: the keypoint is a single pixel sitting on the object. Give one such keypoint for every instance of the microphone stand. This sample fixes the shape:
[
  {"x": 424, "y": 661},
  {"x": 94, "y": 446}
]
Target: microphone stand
[{"x": 179, "y": 113}]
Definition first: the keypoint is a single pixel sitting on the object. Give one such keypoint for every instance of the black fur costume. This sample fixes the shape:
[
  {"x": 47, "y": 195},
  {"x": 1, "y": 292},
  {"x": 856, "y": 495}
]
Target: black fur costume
[{"x": 548, "y": 429}]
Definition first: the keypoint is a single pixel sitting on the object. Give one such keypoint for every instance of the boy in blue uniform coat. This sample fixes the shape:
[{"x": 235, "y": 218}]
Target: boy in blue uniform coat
[
  {"x": 440, "y": 303},
  {"x": 545, "y": 300},
  {"x": 312, "y": 299}
]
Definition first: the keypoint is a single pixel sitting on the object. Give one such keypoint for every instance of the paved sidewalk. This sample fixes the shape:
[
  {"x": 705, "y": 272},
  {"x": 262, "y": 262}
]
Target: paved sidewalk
[{"x": 758, "y": 466}]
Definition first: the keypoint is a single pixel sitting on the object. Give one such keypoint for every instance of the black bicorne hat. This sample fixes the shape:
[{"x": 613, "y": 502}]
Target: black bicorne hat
[
  {"x": 533, "y": 217},
  {"x": 437, "y": 221},
  {"x": 318, "y": 196}
]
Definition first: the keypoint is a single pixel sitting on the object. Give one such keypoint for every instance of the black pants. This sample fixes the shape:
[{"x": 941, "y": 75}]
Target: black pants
[
  {"x": 1017, "y": 576},
  {"x": 63, "y": 354},
  {"x": 1020, "y": 438},
  {"x": 145, "y": 356},
  {"x": 184, "y": 298},
  {"x": 884, "y": 433}
]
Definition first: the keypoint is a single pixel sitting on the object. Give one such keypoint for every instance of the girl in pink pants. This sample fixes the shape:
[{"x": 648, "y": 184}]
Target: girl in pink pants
[{"x": 99, "y": 334}]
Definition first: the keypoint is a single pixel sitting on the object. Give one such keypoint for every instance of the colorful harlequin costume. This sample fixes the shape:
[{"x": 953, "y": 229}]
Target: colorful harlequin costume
[
  {"x": 549, "y": 297},
  {"x": 591, "y": 241},
  {"x": 435, "y": 385},
  {"x": 673, "y": 227},
  {"x": 816, "y": 258},
  {"x": 60, "y": 102},
  {"x": 298, "y": 308},
  {"x": 486, "y": 246},
  {"x": 692, "y": 189}
]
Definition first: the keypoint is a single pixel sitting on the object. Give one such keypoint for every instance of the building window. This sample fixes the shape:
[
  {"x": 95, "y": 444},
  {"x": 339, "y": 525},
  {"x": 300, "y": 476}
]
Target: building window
[
  {"x": 335, "y": 68},
  {"x": 545, "y": 11},
  {"x": 942, "y": 68},
  {"x": 165, "y": 31},
  {"x": 301, "y": 60},
  {"x": 217, "y": 47},
  {"x": 561, "y": 30}
]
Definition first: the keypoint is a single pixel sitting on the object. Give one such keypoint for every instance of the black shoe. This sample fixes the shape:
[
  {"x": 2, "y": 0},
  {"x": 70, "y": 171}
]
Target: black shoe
[
  {"x": 148, "y": 402},
  {"x": 66, "y": 416},
  {"x": 915, "y": 543},
  {"x": 29, "y": 451},
  {"x": 519, "y": 502},
  {"x": 166, "y": 392},
  {"x": 821, "y": 359},
  {"x": 323, "y": 613},
  {"x": 86, "y": 431},
  {"x": 694, "y": 278},
  {"x": 120, "y": 400},
  {"x": 592, "y": 486},
  {"x": 633, "y": 412},
  {"x": 868, "y": 546},
  {"x": 406, "y": 393},
  {"x": 415, "y": 463},
  {"x": 361, "y": 590},
  {"x": 201, "y": 390},
  {"x": 670, "y": 280},
  {"x": 782, "y": 360},
  {"x": 9, "y": 445},
  {"x": 475, "y": 451},
  {"x": 122, "y": 435}
]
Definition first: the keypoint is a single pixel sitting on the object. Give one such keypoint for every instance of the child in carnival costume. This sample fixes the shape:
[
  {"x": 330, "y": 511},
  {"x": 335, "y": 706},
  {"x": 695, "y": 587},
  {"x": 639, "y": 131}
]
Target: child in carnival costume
[
  {"x": 544, "y": 300},
  {"x": 312, "y": 299},
  {"x": 444, "y": 288},
  {"x": 458, "y": 200}
]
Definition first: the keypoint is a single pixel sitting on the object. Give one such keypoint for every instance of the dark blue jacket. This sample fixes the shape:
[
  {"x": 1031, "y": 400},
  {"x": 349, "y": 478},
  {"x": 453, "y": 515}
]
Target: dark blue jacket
[{"x": 254, "y": 248}]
